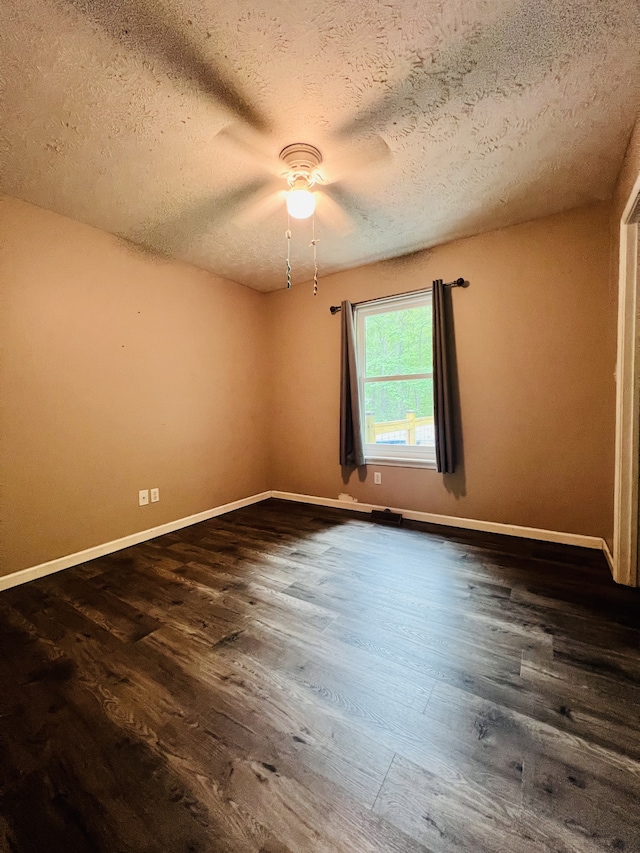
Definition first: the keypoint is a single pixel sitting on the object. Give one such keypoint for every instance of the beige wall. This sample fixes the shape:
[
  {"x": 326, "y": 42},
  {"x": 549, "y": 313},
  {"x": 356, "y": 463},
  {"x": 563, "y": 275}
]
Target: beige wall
[
  {"x": 121, "y": 372},
  {"x": 118, "y": 373},
  {"x": 536, "y": 355}
]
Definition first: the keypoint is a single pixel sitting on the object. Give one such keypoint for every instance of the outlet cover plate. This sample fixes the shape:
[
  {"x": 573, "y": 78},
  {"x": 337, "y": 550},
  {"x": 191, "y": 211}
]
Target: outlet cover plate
[
  {"x": 155, "y": 495},
  {"x": 143, "y": 497}
]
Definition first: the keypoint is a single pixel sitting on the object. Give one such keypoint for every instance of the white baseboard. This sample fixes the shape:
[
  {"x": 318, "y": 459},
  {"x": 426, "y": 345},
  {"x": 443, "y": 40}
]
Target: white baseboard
[
  {"x": 30, "y": 574},
  {"x": 594, "y": 542}
]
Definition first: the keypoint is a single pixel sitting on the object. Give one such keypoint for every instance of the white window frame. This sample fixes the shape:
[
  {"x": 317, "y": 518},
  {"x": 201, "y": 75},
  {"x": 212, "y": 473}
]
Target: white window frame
[{"x": 411, "y": 456}]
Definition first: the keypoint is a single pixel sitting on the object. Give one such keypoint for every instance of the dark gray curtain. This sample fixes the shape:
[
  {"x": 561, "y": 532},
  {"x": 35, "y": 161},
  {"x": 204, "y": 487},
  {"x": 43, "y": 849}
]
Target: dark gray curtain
[
  {"x": 351, "y": 449},
  {"x": 443, "y": 408}
]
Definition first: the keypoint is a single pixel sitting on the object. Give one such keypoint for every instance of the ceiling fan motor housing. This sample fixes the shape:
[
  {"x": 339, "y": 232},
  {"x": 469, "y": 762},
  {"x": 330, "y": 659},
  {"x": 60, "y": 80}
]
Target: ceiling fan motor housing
[{"x": 302, "y": 161}]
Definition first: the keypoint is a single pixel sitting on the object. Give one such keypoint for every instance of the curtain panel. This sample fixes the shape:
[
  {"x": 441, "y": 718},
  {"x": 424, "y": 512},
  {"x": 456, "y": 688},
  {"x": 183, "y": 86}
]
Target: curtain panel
[
  {"x": 351, "y": 446},
  {"x": 443, "y": 408}
]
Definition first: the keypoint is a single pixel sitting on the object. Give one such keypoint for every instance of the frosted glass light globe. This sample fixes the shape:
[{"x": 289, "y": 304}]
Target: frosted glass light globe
[{"x": 300, "y": 203}]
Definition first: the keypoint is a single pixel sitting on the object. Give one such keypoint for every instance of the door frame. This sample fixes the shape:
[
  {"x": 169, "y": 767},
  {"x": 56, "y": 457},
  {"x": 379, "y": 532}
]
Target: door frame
[{"x": 625, "y": 529}]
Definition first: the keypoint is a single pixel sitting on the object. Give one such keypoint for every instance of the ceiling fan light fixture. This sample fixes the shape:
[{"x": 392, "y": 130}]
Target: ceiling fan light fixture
[
  {"x": 302, "y": 161},
  {"x": 300, "y": 203}
]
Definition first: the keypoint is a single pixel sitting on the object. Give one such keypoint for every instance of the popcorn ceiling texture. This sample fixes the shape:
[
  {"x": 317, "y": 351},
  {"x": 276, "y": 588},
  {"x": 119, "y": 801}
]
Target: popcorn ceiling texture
[{"x": 495, "y": 112}]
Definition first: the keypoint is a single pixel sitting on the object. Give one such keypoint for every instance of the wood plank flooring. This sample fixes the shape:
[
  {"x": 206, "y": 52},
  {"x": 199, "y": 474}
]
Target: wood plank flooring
[{"x": 288, "y": 678}]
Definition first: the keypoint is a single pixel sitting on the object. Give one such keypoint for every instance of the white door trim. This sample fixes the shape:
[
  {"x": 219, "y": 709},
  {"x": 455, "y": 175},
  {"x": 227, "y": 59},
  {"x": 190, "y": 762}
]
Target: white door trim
[{"x": 625, "y": 530}]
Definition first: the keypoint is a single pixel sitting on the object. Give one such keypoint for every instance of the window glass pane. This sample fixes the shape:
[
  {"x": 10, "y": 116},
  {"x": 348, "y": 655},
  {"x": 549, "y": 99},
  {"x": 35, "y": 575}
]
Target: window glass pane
[
  {"x": 398, "y": 342},
  {"x": 399, "y": 412}
]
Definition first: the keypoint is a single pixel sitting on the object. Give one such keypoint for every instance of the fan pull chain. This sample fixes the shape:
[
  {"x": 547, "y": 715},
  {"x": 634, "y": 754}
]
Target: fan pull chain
[
  {"x": 314, "y": 243},
  {"x": 288, "y": 236}
]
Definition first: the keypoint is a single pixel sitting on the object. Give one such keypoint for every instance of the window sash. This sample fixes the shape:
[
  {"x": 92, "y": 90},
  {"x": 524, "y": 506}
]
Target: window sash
[
  {"x": 398, "y": 378},
  {"x": 389, "y": 453}
]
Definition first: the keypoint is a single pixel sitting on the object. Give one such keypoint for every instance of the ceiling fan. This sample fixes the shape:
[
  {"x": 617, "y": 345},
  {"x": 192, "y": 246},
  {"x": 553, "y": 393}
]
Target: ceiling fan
[
  {"x": 298, "y": 180},
  {"x": 301, "y": 179},
  {"x": 159, "y": 32}
]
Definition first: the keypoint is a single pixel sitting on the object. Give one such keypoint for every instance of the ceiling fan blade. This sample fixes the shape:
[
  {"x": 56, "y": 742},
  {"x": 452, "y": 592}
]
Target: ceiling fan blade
[
  {"x": 519, "y": 36},
  {"x": 367, "y": 154},
  {"x": 266, "y": 202},
  {"x": 332, "y": 214},
  {"x": 429, "y": 84},
  {"x": 151, "y": 30},
  {"x": 175, "y": 234},
  {"x": 375, "y": 116},
  {"x": 253, "y": 144}
]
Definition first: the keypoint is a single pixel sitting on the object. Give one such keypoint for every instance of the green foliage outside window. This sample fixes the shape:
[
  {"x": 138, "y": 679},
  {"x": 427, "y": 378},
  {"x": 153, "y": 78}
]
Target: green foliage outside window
[{"x": 399, "y": 342}]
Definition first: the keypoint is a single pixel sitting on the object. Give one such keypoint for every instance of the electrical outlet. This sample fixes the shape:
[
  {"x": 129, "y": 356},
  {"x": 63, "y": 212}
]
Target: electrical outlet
[
  {"x": 377, "y": 478},
  {"x": 155, "y": 495},
  {"x": 143, "y": 497}
]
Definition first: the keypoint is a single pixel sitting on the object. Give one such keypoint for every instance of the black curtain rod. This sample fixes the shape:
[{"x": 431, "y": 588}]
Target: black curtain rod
[{"x": 459, "y": 282}]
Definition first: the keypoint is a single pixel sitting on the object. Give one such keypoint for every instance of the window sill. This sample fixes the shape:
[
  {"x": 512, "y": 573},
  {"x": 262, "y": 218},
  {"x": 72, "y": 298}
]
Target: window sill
[{"x": 399, "y": 462}]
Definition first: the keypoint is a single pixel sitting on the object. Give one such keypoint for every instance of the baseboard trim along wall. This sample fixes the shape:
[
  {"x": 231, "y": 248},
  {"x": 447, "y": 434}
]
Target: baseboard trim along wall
[
  {"x": 453, "y": 521},
  {"x": 29, "y": 574}
]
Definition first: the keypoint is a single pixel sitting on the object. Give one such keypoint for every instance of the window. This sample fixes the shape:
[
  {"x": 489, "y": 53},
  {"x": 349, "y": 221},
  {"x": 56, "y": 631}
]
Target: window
[{"x": 396, "y": 380}]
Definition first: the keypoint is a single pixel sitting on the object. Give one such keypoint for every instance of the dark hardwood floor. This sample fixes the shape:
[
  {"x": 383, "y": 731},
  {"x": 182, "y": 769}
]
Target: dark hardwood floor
[{"x": 287, "y": 678}]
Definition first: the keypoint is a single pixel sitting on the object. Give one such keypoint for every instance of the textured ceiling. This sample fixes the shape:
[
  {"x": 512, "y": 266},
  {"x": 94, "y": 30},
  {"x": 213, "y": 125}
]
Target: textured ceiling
[{"x": 494, "y": 112}]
